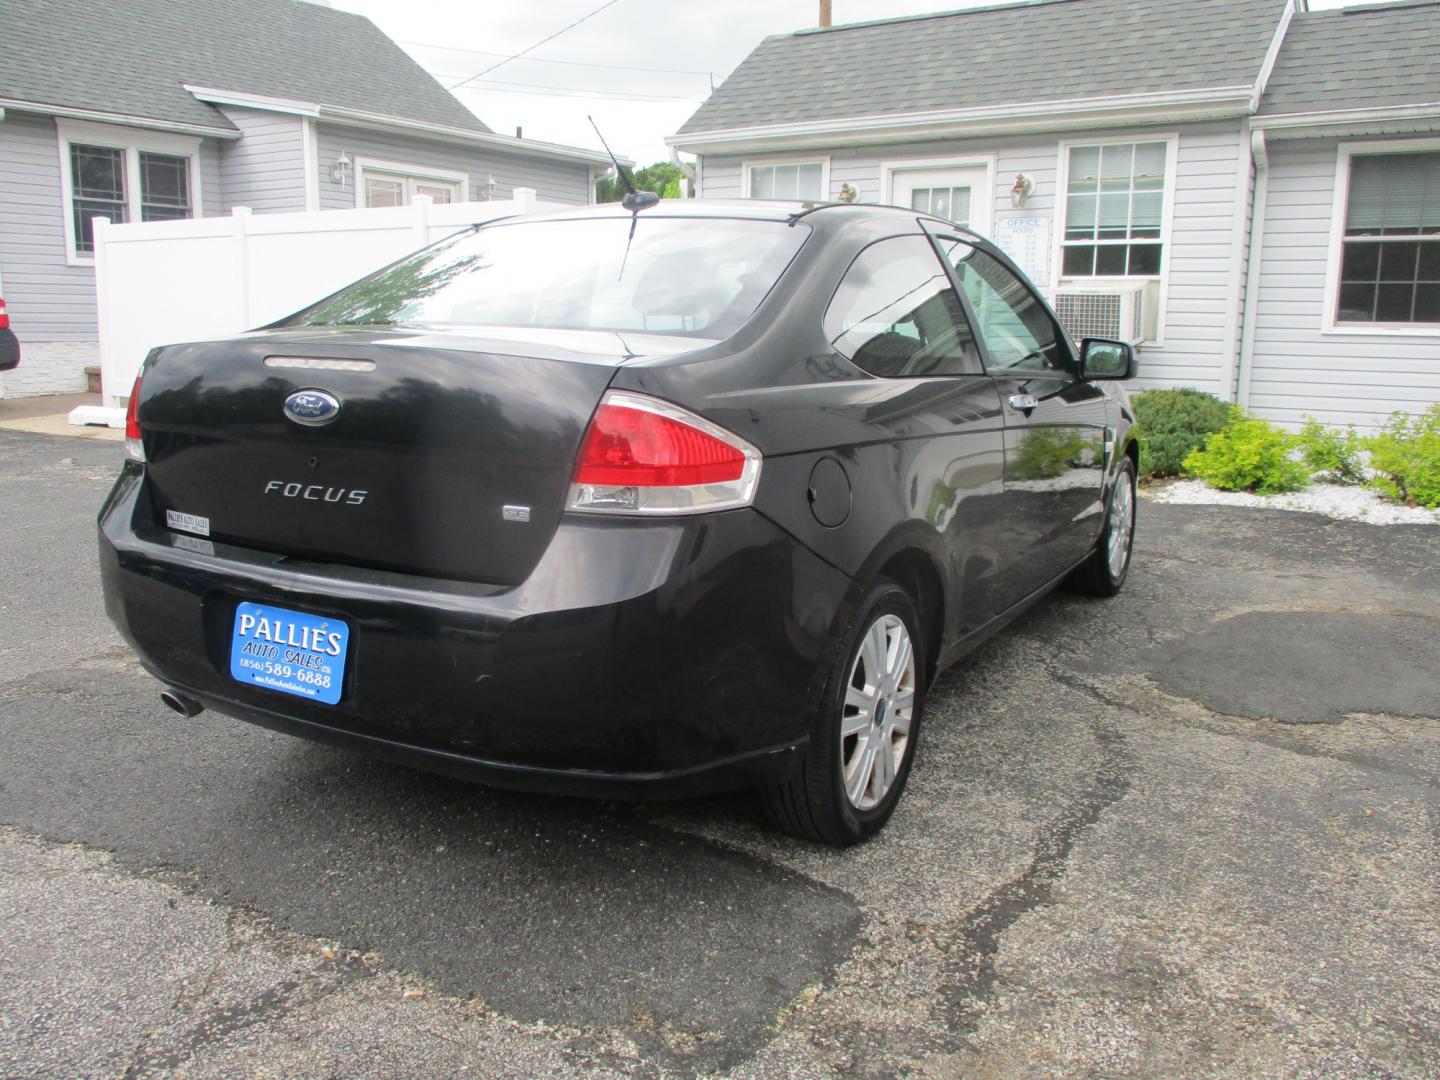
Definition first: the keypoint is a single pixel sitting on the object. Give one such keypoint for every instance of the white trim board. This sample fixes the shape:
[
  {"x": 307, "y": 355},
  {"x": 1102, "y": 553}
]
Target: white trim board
[
  {"x": 1311, "y": 124},
  {"x": 1335, "y": 246},
  {"x": 262, "y": 102},
  {"x": 118, "y": 119},
  {"x": 133, "y": 142},
  {"x": 310, "y": 156},
  {"x": 1167, "y": 222},
  {"x": 1272, "y": 54},
  {"x": 382, "y": 122}
]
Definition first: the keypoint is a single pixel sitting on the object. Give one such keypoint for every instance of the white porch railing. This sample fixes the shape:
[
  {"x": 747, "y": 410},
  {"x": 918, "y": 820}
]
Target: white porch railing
[{"x": 163, "y": 282}]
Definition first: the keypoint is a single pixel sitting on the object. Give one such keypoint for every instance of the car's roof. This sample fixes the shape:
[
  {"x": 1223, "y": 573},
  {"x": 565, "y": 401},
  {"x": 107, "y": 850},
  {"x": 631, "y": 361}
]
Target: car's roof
[
  {"x": 756, "y": 209},
  {"x": 821, "y": 215}
]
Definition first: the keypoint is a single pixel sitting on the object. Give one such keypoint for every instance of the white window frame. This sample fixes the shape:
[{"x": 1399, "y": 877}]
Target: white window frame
[
  {"x": 410, "y": 173},
  {"x": 823, "y": 160},
  {"x": 1336, "y": 249},
  {"x": 888, "y": 169},
  {"x": 1167, "y": 222},
  {"x": 132, "y": 142}
]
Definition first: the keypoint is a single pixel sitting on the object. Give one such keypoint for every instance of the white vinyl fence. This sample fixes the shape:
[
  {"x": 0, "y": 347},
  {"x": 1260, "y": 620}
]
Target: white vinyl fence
[{"x": 162, "y": 282}]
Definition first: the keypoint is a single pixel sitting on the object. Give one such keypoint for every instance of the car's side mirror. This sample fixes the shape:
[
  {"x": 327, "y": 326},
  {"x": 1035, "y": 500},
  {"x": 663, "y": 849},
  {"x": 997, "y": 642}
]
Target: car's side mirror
[{"x": 1102, "y": 359}]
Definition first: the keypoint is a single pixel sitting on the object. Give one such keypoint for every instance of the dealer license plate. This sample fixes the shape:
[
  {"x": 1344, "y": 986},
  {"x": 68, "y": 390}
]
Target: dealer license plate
[{"x": 289, "y": 651}]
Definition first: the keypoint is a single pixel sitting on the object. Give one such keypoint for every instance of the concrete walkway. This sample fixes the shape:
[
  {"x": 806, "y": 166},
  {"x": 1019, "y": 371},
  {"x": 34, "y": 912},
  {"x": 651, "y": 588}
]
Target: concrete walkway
[{"x": 50, "y": 415}]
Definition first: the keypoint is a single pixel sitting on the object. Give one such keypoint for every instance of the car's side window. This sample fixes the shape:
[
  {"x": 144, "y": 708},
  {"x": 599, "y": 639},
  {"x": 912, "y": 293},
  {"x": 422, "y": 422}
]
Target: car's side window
[
  {"x": 1019, "y": 334},
  {"x": 895, "y": 314}
]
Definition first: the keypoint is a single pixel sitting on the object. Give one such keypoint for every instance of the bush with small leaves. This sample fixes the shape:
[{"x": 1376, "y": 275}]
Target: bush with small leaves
[
  {"x": 1173, "y": 423},
  {"x": 1331, "y": 454},
  {"x": 1248, "y": 455},
  {"x": 1405, "y": 457}
]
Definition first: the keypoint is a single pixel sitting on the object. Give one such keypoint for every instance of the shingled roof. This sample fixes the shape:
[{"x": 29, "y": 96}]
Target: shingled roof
[
  {"x": 1358, "y": 58},
  {"x": 1045, "y": 50},
  {"x": 132, "y": 58}
]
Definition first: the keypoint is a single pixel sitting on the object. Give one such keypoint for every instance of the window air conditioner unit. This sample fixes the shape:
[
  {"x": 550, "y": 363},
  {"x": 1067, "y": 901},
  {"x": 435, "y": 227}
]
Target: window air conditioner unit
[{"x": 1117, "y": 312}]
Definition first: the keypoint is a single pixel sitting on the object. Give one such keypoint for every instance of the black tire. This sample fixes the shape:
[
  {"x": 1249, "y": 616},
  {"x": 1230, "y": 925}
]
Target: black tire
[
  {"x": 813, "y": 803},
  {"x": 1096, "y": 576}
]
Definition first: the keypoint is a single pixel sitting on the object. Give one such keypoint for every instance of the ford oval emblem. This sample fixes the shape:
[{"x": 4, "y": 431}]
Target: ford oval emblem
[{"x": 312, "y": 407}]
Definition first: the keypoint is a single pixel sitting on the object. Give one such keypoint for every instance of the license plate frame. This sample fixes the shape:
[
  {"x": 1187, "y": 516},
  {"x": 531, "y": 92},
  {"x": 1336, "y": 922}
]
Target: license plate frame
[{"x": 288, "y": 651}]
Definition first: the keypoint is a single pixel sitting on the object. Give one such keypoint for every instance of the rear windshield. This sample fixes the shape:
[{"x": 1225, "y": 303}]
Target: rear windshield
[{"x": 700, "y": 277}]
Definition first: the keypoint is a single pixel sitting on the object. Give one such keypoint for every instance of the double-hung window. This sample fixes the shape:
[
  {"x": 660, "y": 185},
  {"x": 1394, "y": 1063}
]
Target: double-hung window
[
  {"x": 1115, "y": 209},
  {"x": 1390, "y": 258},
  {"x": 124, "y": 175},
  {"x": 97, "y": 190},
  {"x": 164, "y": 187},
  {"x": 786, "y": 180}
]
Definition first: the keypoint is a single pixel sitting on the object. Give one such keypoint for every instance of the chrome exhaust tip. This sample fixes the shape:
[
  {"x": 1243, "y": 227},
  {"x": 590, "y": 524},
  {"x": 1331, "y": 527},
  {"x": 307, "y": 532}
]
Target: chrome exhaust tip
[{"x": 185, "y": 706}]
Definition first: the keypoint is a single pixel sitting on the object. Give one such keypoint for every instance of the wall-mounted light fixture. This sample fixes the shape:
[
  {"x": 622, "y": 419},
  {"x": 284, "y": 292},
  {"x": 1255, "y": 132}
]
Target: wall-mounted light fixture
[
  {"x": 1023, "y": 189},
  {"x": 848, "y": 194},
  {"x": 340, "y": 171},
  {"x": 489, "y": 188}
]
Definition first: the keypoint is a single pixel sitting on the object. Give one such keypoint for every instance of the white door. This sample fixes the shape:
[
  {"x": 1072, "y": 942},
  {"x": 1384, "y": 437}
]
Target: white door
[{"x": 960, "y": 194}]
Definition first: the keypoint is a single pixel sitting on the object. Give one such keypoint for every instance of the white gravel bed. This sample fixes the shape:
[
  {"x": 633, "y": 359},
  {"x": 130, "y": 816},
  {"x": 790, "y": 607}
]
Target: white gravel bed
[{"x": 1332, "y": 500}]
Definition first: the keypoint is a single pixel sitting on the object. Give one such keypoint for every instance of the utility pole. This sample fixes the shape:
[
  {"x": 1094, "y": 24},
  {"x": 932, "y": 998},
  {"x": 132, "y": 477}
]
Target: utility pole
[{"x": 824, "y": 13}]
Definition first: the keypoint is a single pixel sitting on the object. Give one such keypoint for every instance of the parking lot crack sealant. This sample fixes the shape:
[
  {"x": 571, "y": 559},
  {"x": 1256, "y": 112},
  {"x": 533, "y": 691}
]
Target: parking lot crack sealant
[{"x": 972, "y": 944}]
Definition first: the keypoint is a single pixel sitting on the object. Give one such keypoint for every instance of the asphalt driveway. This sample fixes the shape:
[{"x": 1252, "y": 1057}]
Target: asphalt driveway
[{"x": 1191, "y": 831}]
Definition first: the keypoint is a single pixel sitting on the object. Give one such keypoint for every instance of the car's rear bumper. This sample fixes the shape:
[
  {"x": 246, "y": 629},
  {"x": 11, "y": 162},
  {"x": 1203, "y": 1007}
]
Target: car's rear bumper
[
  {"x": 740, "y": 770},
  {"x": 653, "y": 658}
]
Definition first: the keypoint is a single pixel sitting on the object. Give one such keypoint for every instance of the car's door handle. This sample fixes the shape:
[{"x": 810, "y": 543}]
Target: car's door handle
[{"x": 1023, "y": 402}]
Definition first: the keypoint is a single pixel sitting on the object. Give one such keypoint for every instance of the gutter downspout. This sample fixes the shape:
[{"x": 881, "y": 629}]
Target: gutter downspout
[
  {"x": 1233, "y": 301},
  {"x": 1252, "y": 276},
  {"x": 687, "y": 170},
  {"x": 1259, "y": 156}
]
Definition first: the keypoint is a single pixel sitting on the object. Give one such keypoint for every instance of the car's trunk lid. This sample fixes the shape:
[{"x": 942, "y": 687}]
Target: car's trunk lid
[{"x": 450, "y": 455}]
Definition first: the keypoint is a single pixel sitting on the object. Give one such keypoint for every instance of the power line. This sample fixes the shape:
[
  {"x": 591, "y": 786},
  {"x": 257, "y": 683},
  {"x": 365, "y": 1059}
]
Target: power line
[
  {"x": 558, "y": 91},
  {"x": 542, "y": 41},
  {"x": 567, "y": 63}
]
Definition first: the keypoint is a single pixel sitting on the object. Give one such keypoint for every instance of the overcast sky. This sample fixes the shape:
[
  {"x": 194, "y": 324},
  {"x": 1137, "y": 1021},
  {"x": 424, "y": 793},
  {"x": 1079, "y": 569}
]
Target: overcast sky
[{"x": 549, "y": 92}]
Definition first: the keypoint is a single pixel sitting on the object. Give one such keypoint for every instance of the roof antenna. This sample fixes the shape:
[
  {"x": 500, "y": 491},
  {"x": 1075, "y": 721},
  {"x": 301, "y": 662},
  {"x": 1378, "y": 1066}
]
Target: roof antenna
[{"x": 634, "y": 201}]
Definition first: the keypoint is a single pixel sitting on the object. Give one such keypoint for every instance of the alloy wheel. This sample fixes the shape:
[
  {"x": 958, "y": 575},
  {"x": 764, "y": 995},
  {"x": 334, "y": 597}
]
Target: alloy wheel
[
  {"x": 1122, "y": 524},
  {"x": 879, "y": 708}
]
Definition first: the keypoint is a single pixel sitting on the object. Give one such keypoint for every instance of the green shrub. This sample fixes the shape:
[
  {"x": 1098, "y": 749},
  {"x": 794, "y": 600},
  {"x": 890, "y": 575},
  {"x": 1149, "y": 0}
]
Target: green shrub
[
  {"x": 1172, "y": 424},
  {"x": 1406, "y": 458},
  {"x": 1331, "y": 453},
  {"x": 1248, "y": 455}
]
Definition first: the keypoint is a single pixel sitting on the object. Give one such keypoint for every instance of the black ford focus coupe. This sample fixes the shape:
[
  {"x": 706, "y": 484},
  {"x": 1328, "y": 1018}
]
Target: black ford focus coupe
[{"x": 625, "y": 503}]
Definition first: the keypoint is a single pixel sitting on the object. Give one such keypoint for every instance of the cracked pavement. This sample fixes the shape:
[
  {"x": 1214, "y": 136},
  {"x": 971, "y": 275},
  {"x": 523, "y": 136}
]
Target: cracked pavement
[{"x": 1194, "y": 830}]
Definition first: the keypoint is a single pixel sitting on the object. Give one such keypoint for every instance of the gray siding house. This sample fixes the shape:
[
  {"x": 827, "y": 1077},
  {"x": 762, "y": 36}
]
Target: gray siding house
[
  {"x": 1248, "y": 189},
  {"x": 155, "y": 109}
]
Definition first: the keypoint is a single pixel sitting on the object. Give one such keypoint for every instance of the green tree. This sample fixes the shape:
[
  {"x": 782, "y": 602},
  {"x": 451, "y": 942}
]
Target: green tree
[{"x": 663, "y": 178}]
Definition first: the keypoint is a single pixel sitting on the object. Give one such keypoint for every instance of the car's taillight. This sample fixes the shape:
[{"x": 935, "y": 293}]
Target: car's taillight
[
  {"x": 4, "y": 317},
  {"x": 641, "y": 455},
  {"x": 134, "y": 448}
]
